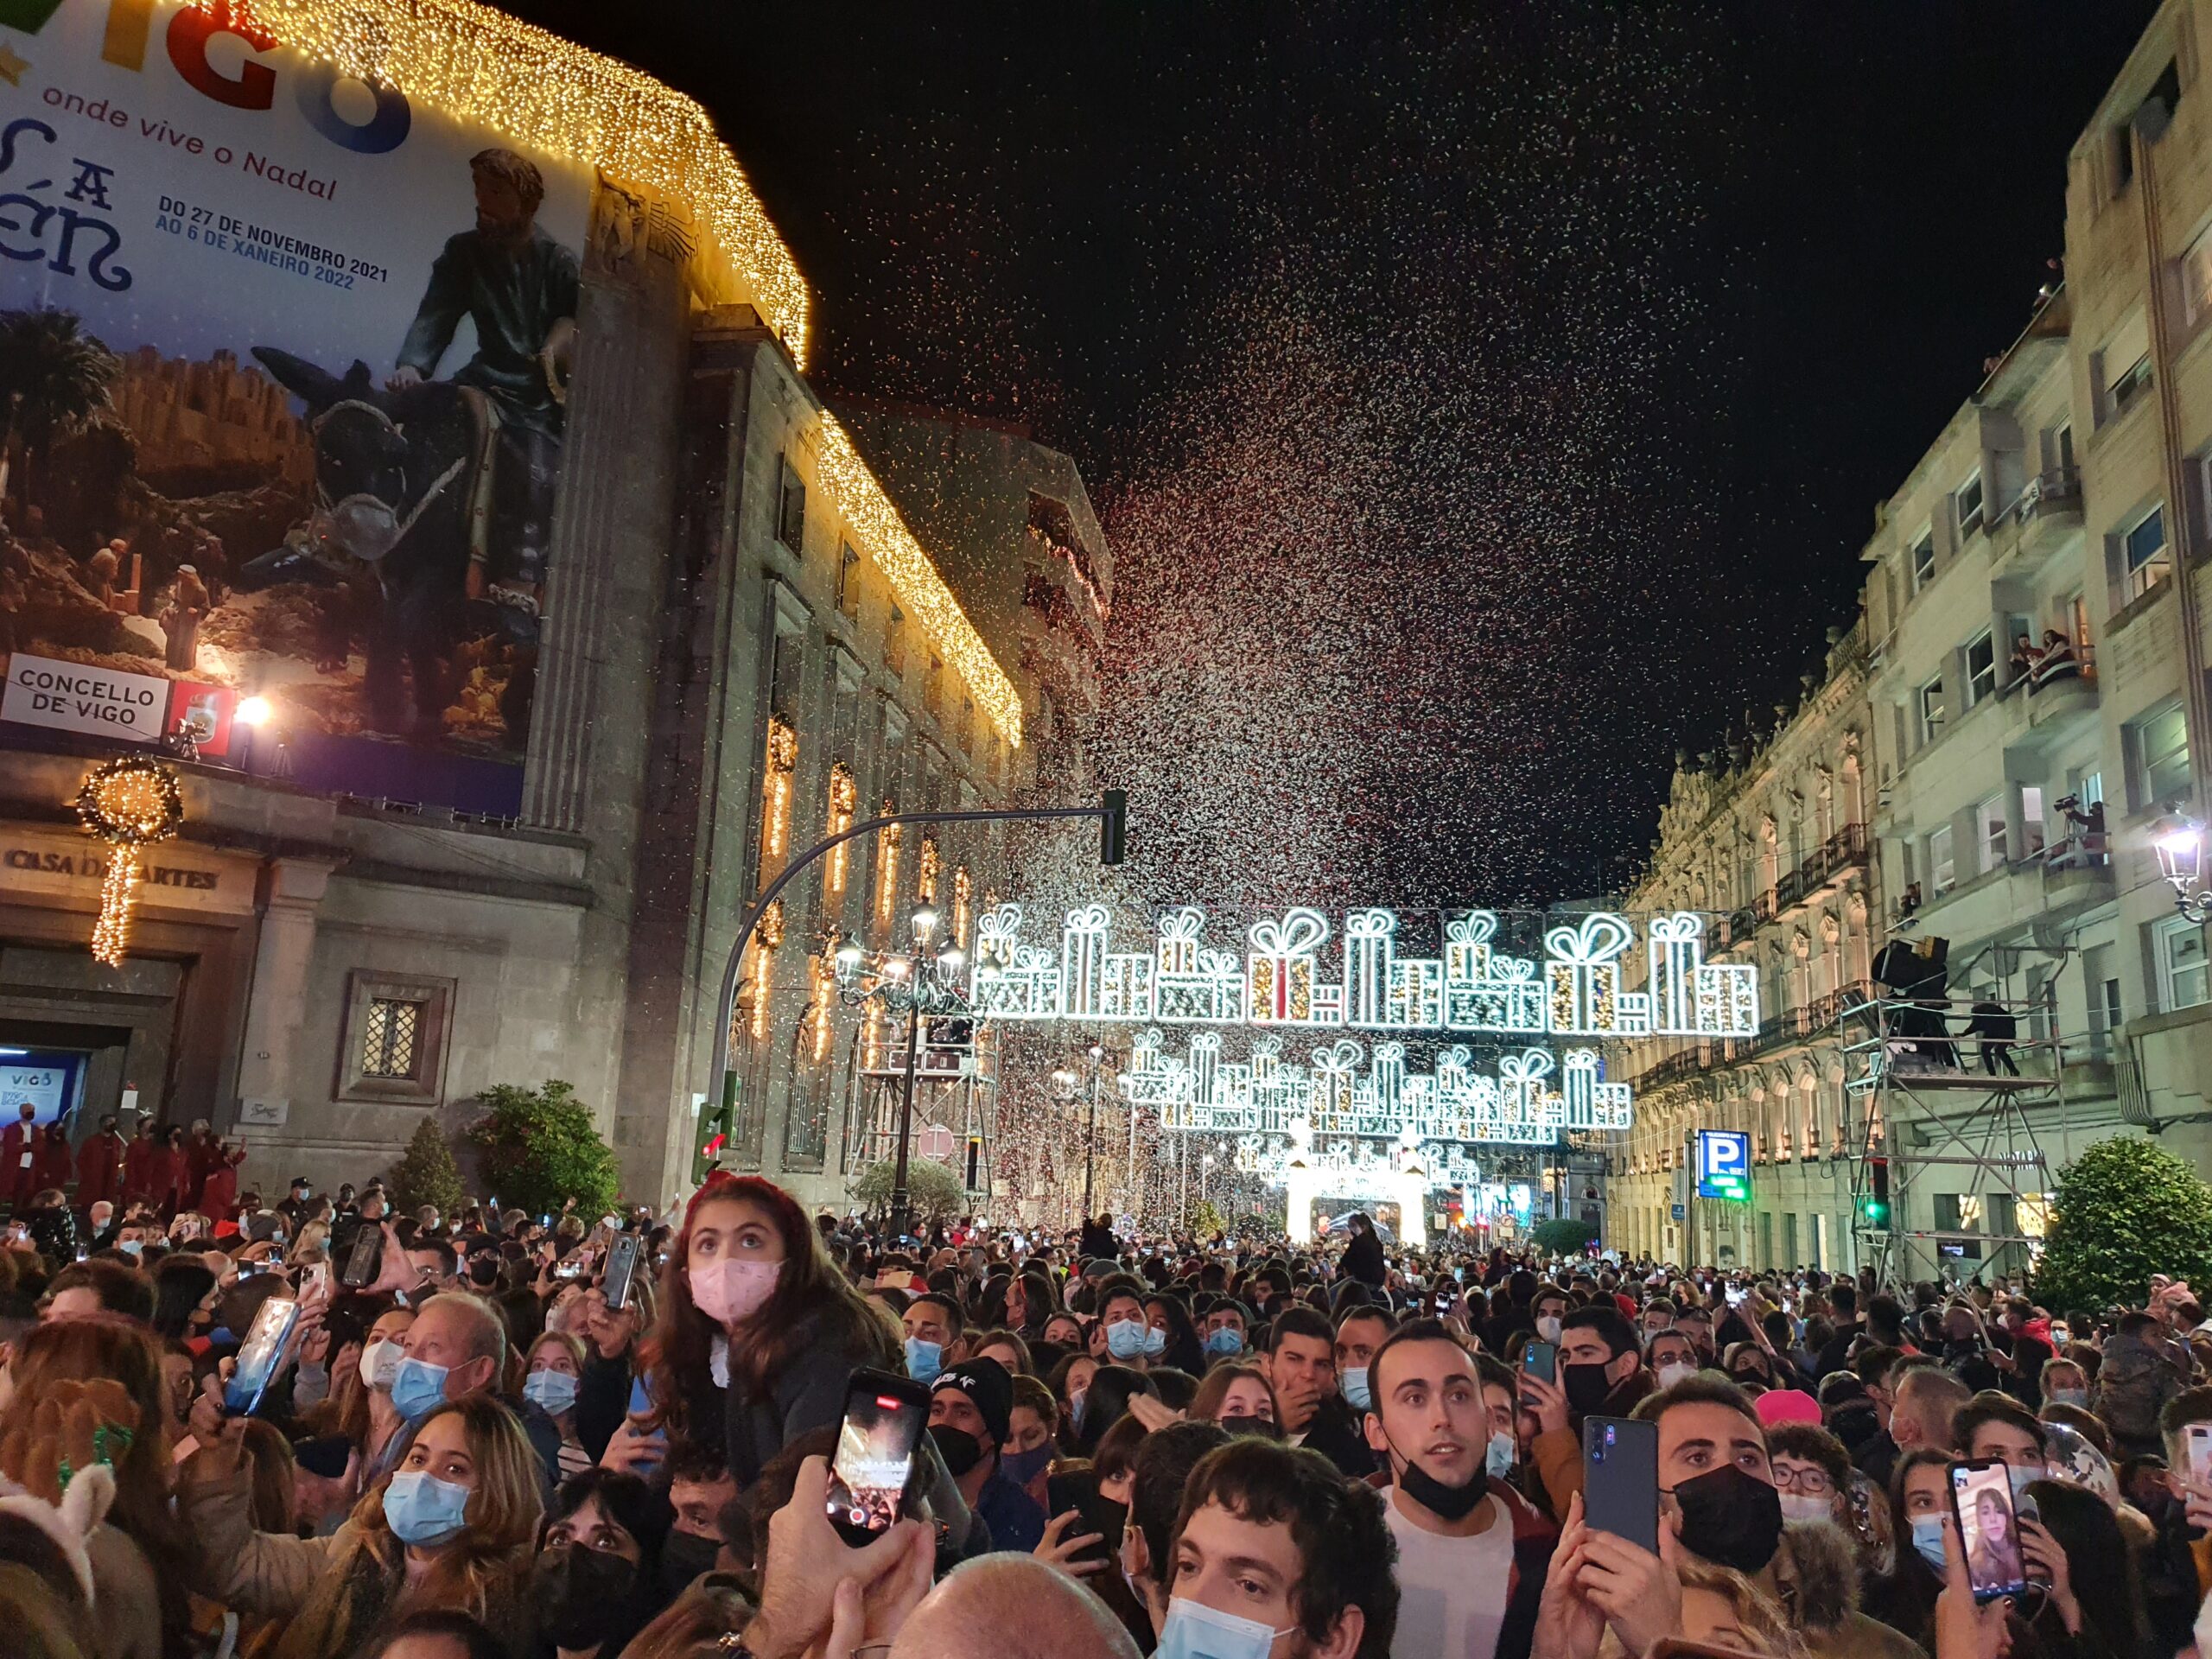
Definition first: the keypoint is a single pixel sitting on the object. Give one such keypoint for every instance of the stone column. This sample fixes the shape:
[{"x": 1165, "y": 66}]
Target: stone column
[{"x": 292, "y": 891}]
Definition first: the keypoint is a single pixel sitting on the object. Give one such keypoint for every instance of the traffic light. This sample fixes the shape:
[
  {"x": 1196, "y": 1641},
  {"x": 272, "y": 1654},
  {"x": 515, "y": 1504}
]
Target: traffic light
[
  {"x": 1113, "y": 825},
  {"x": 1875, "y": 1205},
  {"x": 714, "y": 1131}
]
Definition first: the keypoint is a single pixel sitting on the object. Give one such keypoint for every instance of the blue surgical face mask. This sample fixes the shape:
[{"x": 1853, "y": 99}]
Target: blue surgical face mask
[
  {"x": 2020, "y": 1479},
  {"x": 556, "y": 1391},
  {"x": 1156, "y": 1342},
  {"x": 1497, "y": 1461},
  {"x": 923, "y": 1359},
  {"x": 131, "y": 1246},
  {"x": 1193, "y": 1631},
  {"x": 1928, "y": 1539},
  {"x": 1356, "y": 1394},
  {"x": 1225, "y": 1341},
  {"x": 2069, "y": 1398},
  {"x": 423, "y": 1509},
  {"x": 1021, "y": 1467},
  {"x": 1125, "y": 1339},
  {"x": 418, "y": 1388}
]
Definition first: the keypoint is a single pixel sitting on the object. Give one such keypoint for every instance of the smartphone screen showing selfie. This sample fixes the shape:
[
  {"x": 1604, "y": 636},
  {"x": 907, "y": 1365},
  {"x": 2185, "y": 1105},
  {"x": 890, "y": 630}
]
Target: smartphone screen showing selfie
[
  {"x": 265, "y": 1344},
  {"x": 2199, "y": 1437},
  {"x": 885, "y": 1419},
  {"x": 621, "y": 1269},
  {"x": 1620, "y": 1479},
  {"x": 1989, "y": 1530}
]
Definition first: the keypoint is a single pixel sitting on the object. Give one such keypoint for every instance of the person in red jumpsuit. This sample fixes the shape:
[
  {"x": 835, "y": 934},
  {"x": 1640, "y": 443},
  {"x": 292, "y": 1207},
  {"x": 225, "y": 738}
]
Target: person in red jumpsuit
[
  {"x": 99, "y": 1167},
  {"x": 54, "y": 1164},
  {"x": 218, "y": 1193},
  {"x": 172, "y": 1168},
  {"x": 18, "y": 1146},
  {"x": 138, "y": 1164},
  {"x": 200, "y": 1155}
]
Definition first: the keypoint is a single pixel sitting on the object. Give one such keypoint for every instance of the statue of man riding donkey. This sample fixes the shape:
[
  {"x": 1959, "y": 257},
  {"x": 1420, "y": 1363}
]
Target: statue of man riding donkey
[{"x": 433, "y": 498}]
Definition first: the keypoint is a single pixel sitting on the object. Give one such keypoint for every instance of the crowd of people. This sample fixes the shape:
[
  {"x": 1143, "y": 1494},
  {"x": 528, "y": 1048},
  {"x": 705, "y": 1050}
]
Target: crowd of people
[{"x": 489, "y": 1433}]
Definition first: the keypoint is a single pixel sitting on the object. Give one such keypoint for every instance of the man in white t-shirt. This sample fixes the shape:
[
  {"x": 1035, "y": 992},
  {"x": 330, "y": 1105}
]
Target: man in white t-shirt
[{"x": 1471, "y": 1553}]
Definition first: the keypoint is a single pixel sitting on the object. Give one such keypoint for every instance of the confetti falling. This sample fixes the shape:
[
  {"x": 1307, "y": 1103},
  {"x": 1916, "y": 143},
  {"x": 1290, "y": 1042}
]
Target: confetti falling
[{"x": 1482, "y": 403}]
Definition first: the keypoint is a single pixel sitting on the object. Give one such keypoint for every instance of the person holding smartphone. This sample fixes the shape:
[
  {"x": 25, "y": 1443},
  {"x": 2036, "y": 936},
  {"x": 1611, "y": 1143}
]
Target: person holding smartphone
[
  {"x": 757, "y": 1333},
  {"x": 1472, "y": 1553},
  {"x": 454, "y": 1526}
]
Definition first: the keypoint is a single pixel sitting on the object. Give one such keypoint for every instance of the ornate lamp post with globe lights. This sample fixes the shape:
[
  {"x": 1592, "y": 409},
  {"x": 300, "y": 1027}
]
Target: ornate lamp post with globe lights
[
  {"x": 918, "y": 984},
  {"x": 2179, "y": 843}
]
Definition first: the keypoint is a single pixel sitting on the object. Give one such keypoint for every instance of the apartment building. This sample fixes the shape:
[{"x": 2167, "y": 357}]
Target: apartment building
[{"x": 2038, "y": 680}]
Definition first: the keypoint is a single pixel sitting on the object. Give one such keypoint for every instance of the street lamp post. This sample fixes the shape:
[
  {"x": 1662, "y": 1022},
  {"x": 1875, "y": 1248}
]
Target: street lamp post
[
  {"x": 2179, "y": 843},
  {"x": 898, "y": 984},
  {"x": 1112, "y": 813}
]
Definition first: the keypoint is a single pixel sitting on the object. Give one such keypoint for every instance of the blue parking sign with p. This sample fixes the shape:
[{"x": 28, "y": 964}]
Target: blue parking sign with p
[{"x": 1724, "y": 1164}]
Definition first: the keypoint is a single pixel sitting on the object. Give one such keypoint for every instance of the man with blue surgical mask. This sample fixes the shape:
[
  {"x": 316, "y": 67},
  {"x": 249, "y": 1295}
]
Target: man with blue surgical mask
[
  {"x": 1316, "y": 1584},
  {"x": 1472, "y": 1553},
  {"x": 1128, "y": 1328},
  {"x": 456, "y": 1347},
  {"x": 932, "y": 1323},
  {"x": 1359, "y": 1333},
  {"x": 1225, "y": 1331}
]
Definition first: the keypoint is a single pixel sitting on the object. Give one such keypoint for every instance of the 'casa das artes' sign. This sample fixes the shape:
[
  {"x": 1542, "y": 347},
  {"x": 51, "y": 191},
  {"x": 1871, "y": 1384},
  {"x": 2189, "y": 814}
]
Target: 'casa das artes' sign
[{"x": 1281, "y": 979}]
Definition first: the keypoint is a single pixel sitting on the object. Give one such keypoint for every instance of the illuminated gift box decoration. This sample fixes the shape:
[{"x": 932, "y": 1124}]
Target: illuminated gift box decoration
[
  {"x": 1083, "y": 961},
  {"x": 1584, "y": 977},
  {"x": 1127, "y": 995},
  {"x": 1205, "y": 1093},
  {"x": 1282, "y": 967},
  {"x": 1472, "y": 986}
]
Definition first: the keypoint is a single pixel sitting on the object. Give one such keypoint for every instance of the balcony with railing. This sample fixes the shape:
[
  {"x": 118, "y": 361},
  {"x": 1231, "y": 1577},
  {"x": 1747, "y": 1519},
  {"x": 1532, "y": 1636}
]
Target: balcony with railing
[
  {"x": 2049, "y": 511},
  {"x": 1827, "y": 864},
  {"x": 1779, "y": 1030}
]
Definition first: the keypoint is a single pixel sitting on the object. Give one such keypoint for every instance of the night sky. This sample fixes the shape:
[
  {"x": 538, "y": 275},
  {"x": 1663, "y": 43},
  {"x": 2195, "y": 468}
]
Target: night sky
[{"x": 1483, "y": 401}]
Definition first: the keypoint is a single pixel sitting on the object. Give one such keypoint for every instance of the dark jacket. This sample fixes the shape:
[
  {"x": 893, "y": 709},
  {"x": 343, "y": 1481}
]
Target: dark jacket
[
  {"x": 1335, "y": 1433},
  {"x": 1363, "y": 1260},
  {"x": 810, "y": 1395},
  {"x": 544, "y": 1437},
  {"x": 602, "y": 1400},
  {"x": 1534, "y": 1537}
]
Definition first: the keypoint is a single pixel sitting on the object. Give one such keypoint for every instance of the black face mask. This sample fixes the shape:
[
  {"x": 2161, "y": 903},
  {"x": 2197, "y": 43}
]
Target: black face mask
[
  {"x": 1257, "y": 1428},
  {"x": 684, "y": 1557},
  {"x": 1731, "y": 1518},
  {"x": 1586, "y": 1387},
  {"x": 583, "y": 1595},
  {"x": 960, "y": 1450},
  {"x": 1450, "y": 1503}
]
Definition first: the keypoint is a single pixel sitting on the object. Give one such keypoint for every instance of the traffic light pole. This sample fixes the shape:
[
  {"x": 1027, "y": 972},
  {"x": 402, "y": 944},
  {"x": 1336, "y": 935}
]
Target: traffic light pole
[{"x": 1112, "y": 813}]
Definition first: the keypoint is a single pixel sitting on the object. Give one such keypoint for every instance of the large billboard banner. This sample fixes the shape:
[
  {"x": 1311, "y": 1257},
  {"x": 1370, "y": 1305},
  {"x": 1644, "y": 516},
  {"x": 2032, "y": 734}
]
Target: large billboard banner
[{"x": 290, "y": 356}]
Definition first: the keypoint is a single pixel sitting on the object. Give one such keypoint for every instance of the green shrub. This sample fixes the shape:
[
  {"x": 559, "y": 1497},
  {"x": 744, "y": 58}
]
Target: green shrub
[
  {"x": 541, "y": 1149},
  {"x": 426, "y": 1173},
  {"x": 2124, "y": 1209}
]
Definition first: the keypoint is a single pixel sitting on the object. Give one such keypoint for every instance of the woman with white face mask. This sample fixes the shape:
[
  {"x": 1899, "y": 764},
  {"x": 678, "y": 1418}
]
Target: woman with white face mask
[
  {"x": 359, "y": 1404},
  {"x": 454, "y": 1526},
  {"x": 758, "y": 1332}
]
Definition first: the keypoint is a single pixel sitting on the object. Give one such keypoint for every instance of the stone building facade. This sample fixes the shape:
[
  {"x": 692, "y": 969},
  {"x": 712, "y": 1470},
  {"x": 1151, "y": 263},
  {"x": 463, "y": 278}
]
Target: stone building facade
[
  {"x": 742, "y": 641},
  {"x": 2033, "y": 702},
  {"x": 1768, "y": 838}
]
